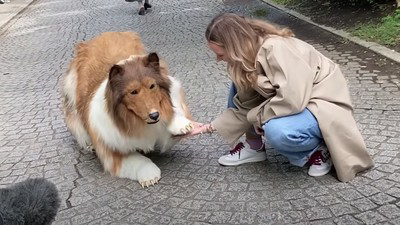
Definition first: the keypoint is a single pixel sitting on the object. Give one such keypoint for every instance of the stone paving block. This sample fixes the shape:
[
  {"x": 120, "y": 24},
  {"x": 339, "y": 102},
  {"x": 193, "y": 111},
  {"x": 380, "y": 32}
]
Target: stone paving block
[
  {"x": 349, "y": 194},
  {"x": 243, "y": 218},
  {"x": 258, "y": 207},
  {"x": 62, "y": 222},
  {"x": 317, "y": 213},
  {"x": 347, "y": 220},
  {"x": 390, "y": 211},
  {"x": 385, "y": 184},
  {"x": 324, "y": 222},
  {"x": 303, "y": 203},
  {"x": 371, "y": 217},
  {"x": 220, "y": 217},
  {"x": 342, "y": 209},
  {"x": 281, "y": 205},
  {"x": 394, "y": 191},
  {"x": 382, "y": 198},
  {"x": 364, "y": 204},
  {"x": 177, "y": 212}
]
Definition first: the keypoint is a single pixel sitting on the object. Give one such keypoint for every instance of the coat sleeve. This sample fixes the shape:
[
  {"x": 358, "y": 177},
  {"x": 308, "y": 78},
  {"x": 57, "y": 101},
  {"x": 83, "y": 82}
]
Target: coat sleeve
[
  {"x": 290, "y": 74},
  {"x": 233, "y": 123}
]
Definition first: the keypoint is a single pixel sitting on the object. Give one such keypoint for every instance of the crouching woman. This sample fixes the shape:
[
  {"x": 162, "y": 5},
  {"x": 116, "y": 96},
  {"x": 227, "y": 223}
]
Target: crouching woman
[{"x": 286, "y": 90}]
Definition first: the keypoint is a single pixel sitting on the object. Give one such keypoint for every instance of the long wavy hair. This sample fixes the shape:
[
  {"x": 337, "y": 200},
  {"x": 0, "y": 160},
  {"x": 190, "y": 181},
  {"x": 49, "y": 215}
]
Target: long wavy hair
[{"x": 240, "y": 37}]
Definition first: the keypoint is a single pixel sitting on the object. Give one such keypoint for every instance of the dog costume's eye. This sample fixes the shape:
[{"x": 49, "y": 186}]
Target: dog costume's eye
[
  {"x": 134, "y": 92},
  {"x": 152, "y": 86}
]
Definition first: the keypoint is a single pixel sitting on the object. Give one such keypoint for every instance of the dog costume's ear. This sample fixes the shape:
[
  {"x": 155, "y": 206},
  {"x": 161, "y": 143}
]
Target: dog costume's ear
[
  {"x": 115, "y": 79},
  {"x": 153, "y": 61},
  {"x": 116, "y": 70},
  {"x": 115, "y": 75}
]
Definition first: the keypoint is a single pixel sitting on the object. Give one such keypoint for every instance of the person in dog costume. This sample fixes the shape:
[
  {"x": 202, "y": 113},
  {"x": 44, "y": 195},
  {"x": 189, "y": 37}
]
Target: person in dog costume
[{"x": 288, "y": 92}]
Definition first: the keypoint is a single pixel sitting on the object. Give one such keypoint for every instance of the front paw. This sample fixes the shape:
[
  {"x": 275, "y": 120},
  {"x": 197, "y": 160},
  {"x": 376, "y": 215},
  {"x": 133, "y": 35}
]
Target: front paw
[
  {"x": 148, "y": 175},
  {"x": 180, "y": 126}
]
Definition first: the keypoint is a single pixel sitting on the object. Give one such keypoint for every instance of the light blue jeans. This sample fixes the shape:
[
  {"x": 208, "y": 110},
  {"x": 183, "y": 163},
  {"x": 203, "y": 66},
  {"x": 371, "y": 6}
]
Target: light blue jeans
[{"x": 296, "y": 136}]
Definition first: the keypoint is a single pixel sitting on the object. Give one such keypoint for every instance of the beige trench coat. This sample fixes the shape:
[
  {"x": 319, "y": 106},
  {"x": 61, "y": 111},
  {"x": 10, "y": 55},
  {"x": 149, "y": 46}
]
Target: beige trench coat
[{"x": 293, "y": 76}]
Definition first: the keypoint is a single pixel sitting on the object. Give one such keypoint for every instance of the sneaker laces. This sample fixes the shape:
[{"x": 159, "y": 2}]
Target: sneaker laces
[
  {"x": 316, "y": 158},
  {"x": 237, "y": 149}
]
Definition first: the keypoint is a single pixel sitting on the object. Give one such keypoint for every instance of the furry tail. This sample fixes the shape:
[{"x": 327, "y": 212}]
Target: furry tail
[{"x": 33, "y": 201}]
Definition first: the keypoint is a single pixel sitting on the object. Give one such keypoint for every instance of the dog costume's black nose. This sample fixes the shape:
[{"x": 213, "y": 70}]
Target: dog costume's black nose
[{"x": 154, "y": 115}]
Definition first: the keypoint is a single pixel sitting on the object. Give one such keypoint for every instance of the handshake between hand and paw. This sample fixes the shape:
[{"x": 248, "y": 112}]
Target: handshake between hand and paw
[{"x": 199, "y": 128}]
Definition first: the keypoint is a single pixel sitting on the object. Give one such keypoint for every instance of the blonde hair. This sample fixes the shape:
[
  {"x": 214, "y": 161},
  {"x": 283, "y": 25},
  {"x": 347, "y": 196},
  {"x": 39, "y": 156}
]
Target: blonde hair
[{"x": 239, "y": 37}]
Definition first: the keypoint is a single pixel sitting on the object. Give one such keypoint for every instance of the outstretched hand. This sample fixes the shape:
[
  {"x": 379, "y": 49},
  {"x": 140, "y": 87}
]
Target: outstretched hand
[{"x": 198, "y": 128}]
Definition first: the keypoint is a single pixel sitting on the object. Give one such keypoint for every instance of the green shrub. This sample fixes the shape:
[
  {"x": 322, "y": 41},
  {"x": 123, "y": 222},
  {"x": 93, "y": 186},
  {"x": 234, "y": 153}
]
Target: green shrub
[
  {"x": 260, "y": 13},
  {"x": 386, "y": 32},
  {"x": 359, "y": 3},
  {"x": 355, "y": 3},
  {"x": 286, "y": 2}
]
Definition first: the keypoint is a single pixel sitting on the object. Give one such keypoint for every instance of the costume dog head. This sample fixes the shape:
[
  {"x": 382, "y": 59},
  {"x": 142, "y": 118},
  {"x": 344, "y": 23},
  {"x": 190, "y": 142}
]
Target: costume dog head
[{"x": 140, "y": 84}]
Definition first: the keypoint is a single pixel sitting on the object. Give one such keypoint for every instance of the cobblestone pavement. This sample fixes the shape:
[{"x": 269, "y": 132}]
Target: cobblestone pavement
[{"x": 36, "y": 47}]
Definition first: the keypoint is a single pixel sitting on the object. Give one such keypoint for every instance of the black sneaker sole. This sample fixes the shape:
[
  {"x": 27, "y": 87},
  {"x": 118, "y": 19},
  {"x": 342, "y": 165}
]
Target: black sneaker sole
[
  {"x": 142, "y": 11},
  {"x": 147, "y": 6}
]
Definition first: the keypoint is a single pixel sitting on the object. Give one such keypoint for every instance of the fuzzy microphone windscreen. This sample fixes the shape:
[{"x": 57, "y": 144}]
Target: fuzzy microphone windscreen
[{"x": 33, "y": 201}]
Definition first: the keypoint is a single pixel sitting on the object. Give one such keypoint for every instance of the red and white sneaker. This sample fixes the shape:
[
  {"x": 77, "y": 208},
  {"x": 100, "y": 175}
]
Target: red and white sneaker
[
  {"x": 320, "y": 162},
  {"x": 241, "y": 154}
]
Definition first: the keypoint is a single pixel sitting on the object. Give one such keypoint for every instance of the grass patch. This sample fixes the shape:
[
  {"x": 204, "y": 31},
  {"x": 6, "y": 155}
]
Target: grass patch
[
  {"x": 260, "y": 12},
  {"x": 387, "y": 32},
  {"x": 285, "y": 2}
]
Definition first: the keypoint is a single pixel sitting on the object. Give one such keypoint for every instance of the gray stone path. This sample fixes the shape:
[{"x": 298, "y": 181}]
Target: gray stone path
[{"x": 35, "y": 49}]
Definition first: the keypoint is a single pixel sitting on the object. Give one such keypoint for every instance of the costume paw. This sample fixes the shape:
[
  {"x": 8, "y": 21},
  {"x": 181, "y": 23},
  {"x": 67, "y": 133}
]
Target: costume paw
[
  {"x": 180, "y": 125},
  {"x": 187, "y": 128},
  {"x": 149, "y": 183},
  {"x": 148, "y": 175},
  {"x": 90, "y": 148}
]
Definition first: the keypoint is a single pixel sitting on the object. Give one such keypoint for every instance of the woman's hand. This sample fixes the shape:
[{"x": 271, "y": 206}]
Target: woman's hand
[{"x": 198, "y": 128}]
